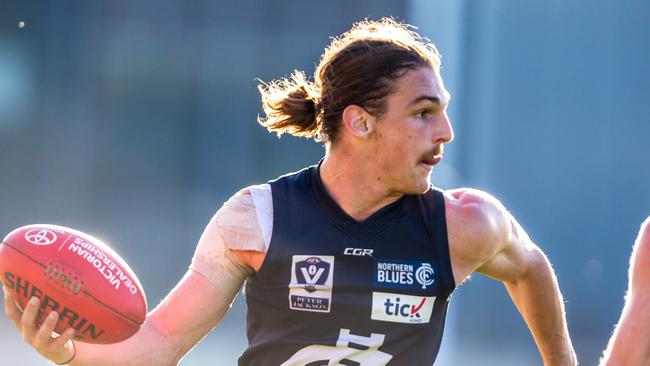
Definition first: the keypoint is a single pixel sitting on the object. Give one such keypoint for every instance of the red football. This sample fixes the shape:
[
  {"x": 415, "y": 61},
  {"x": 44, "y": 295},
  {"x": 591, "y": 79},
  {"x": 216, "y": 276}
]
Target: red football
[{"x": 86, "y": 282}]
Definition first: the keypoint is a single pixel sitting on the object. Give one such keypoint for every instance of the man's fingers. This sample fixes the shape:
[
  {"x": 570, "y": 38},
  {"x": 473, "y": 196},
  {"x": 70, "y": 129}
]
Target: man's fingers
[
  {"x": 12, "y": 310},
  {"x": 45, "y": 332},
  {"x": 41, "y": 339},
  {"x": 63, "y": 339},
  {"x": 29, "y": 317}
]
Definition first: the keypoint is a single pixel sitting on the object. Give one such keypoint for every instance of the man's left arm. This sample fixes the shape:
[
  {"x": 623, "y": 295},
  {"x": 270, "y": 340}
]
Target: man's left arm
[{"x": 529, "y": 278}]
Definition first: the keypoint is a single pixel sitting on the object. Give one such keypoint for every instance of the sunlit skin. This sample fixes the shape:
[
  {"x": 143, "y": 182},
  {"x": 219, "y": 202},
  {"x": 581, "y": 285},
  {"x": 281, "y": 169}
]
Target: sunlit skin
[{"x": 630, "y": 343}]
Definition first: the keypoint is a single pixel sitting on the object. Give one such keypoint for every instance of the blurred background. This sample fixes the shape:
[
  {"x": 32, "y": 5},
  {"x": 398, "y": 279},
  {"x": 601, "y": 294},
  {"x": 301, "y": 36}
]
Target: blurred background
[{"x": 135, "y": 120}]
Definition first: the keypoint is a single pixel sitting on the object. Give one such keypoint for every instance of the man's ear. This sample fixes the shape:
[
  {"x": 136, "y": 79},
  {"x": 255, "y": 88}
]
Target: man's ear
[{"x": 358, "y": 121}]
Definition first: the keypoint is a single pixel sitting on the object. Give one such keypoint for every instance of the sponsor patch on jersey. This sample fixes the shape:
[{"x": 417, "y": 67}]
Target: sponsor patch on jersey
[
  {"x": 358, "y": 252},
  {"x": 400, "y": 308},
  {"x": 405, "y": 274},
  {"x": 310, "y": 288}
]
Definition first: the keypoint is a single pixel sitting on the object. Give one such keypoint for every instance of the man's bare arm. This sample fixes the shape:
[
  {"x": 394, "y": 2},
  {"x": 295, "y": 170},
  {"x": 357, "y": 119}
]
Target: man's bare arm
[
  {"x": 535, "y": 291},
  {"x": 494, "y": 244}
]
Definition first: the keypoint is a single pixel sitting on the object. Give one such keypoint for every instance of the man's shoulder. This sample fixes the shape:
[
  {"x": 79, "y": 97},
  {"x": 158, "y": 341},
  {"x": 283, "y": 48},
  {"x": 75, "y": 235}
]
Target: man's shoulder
[
  {"x": 249, "y": 202},
  {"x": 474, "y": 205},
  {"x": 475, "y": 216},
  {"x": 252, "y": 190},
  {"x": 301, "y": 174}
]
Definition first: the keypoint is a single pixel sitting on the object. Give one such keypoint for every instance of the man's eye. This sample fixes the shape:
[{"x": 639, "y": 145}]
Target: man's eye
[{"x": 422, "y": 114}]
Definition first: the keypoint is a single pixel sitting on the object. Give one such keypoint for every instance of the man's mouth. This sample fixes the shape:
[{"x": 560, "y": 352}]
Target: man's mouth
[
  {"x": 432, "y": 160},
  {"x": 434, "y": 157}
]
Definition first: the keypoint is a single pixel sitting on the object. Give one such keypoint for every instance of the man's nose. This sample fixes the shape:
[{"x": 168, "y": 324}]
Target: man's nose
[{"x": 445, "y": 133}]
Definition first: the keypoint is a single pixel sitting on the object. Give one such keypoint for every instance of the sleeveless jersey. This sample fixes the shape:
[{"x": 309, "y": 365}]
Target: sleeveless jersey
[{"x": 334, "y": 291}]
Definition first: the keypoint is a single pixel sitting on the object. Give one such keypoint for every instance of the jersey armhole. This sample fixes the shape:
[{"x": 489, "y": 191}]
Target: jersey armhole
[
  {"x": 436, "y": 213},
  {"x": 270, "y": 211},
  {"x": 263, "y": 201}
]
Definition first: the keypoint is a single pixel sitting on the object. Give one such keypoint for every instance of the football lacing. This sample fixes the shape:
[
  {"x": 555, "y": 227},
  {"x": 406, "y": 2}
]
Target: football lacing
[{"x": 66, "y": 280}]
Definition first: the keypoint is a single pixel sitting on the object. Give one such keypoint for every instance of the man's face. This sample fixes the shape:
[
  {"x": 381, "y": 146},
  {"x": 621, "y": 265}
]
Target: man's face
[{"x": 411, "y": 133}]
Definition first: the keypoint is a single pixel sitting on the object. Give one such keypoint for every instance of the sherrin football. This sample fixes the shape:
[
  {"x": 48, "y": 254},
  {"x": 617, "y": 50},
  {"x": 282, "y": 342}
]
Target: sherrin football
[{"x": 84, "y": 280}]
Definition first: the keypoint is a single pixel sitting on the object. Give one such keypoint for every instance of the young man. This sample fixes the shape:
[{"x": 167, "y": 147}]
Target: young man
[
  {"x": 351, "y": 261},
  {"x": 630, "y": 344}
]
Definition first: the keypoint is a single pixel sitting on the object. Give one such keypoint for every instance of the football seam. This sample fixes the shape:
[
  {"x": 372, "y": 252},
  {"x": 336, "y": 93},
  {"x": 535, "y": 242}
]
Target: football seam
[{"x": 84, "y": 291}]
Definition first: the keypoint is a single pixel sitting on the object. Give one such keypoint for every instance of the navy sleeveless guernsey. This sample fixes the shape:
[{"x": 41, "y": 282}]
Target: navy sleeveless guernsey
[{"x": 333, "y": 291}]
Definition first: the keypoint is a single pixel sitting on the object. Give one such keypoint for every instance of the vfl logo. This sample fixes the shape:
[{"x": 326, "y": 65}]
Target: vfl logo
[
  {"x": 310, "y": 288},
  {"x": 424, "y": 275},
  {"x": 311, "y": 273},
  {"x": 40, "y": 237}
]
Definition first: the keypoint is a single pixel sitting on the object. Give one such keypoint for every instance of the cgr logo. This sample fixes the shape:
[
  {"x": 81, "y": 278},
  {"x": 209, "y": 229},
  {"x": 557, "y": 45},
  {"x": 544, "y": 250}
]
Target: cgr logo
[
  {"x": 40, "y": 237},
  {"x": 400, "y": 308},
  {"x": 358, "y": 252}
]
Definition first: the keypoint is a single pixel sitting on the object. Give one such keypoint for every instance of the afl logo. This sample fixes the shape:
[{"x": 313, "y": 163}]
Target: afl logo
[
  {"x": 424, "y": 275},
  {"x": 40, "y": 236}
]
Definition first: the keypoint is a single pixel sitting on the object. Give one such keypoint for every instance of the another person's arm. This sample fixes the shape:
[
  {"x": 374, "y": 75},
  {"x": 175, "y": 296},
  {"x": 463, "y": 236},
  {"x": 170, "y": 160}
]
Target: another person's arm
[
  {"x": 490, "y": 241},
  {"x": 630, "y": 342}
]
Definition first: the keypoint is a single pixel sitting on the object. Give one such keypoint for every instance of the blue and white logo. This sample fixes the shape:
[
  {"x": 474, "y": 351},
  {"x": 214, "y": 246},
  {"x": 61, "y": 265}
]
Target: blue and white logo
[
  {"x": 310, "y": 288},
  {"x": 312, "y": 272},
  {"x": 425, "y": 275},
  {"x": 405, "y": 274}
]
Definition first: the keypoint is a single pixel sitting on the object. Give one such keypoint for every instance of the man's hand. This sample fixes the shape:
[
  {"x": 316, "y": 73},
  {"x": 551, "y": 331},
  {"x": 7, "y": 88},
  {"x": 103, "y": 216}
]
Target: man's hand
[{"x": 56, "y": 348}]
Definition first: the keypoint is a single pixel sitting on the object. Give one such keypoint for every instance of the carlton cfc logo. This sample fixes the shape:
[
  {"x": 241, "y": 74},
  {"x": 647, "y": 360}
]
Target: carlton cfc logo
[
  {"x": 424, "y": 275},
  {"x": 40, "y": 236}
]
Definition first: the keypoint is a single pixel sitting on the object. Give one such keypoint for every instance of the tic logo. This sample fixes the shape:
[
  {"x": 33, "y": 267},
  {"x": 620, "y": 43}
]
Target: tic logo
[
  {"x": 400, "y": 308},
  {"x": 310, "y": 288},
  {"x": 405, "y": 274}
]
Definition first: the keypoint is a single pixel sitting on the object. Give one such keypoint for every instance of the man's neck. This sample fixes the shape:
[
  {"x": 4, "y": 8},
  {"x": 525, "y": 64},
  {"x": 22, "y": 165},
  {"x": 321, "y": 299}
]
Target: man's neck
[{"x": 353, "y": 184}]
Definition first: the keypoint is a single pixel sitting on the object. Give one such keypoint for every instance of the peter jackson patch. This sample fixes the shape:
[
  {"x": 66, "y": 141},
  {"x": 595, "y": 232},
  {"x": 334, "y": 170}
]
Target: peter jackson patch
[{"x": 310, "y": 288}]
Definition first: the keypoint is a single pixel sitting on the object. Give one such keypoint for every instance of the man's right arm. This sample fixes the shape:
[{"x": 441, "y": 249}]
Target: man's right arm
[
  {"x": 181, "y": 320},
  {"x": 231, "y": 247}
]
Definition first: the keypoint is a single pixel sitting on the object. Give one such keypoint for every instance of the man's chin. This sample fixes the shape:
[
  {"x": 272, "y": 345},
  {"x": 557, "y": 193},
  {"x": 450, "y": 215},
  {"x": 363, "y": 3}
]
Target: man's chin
[
  {"x": 421, "y": 187},
  {"x": 424, "y": 190}
]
